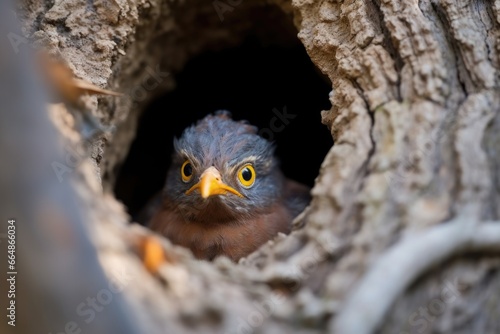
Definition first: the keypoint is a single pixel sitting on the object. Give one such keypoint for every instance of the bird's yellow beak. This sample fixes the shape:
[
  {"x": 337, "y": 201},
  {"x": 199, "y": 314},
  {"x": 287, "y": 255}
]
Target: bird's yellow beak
[{"x": 211, "y": 184}]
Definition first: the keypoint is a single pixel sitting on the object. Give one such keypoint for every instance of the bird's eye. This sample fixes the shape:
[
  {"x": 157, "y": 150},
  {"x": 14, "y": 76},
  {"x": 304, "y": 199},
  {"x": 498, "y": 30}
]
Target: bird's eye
[
  {"x": 246, "y": 175},
  {"x": 186, "y": 171}
]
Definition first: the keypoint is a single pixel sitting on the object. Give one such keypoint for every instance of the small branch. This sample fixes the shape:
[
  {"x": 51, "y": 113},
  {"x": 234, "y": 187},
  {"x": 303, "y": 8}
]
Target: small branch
[{"x": 391, "y": 275}]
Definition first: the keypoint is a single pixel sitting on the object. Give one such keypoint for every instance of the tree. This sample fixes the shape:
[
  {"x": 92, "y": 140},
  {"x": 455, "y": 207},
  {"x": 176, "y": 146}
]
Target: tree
[{"x": 402, "y": 235}]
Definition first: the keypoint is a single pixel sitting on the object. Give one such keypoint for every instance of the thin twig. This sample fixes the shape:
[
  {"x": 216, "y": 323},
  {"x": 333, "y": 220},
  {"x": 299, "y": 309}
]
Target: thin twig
[{"x": 402, "y": 264}]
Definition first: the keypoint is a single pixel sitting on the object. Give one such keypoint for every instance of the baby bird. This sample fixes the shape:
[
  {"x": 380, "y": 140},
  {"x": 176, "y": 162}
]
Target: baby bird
[{"x": 225, "y": 194}]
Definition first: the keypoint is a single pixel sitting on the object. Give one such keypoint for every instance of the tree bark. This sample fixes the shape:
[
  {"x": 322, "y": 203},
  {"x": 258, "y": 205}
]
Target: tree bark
[{"x": 403, "y": 233}]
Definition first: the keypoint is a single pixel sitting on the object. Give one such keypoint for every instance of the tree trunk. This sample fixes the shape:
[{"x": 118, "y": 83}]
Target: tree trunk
[{"x": 402, "y": 235}]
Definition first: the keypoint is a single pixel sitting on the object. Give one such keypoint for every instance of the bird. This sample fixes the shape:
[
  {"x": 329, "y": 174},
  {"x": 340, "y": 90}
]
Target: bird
[{"x": 225, "y": 194}]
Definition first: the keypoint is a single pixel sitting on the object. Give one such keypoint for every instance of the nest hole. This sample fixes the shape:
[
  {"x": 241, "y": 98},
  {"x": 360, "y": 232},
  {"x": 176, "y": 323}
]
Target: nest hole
[{"x": 275, "y": 87}]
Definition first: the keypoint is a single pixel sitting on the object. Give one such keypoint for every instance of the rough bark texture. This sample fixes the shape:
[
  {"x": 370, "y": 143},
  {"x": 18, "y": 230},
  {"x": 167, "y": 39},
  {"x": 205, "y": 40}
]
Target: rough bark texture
[{"x": 415, "y": 118}]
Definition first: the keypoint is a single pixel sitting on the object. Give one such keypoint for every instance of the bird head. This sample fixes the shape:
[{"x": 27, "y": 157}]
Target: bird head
[{"x": 222, "y": 170}]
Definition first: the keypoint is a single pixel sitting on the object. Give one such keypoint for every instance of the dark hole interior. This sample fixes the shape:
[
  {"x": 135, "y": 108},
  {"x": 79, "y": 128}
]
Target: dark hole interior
[{"x": 255, "y": 82}]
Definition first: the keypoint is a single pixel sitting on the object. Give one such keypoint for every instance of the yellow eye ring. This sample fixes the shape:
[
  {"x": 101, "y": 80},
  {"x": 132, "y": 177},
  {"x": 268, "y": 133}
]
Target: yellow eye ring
[
  {"x": 246, "y": 176},
  {"x": 186, "y": 171}
]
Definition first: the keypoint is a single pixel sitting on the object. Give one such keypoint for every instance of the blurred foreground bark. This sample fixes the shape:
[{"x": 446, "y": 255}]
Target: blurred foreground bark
[{"x": 48, "y": 261}]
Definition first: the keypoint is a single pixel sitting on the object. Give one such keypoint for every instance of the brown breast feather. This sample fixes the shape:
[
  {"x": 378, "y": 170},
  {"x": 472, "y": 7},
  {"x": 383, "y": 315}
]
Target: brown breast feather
[{"x": 234, "y": 239}]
